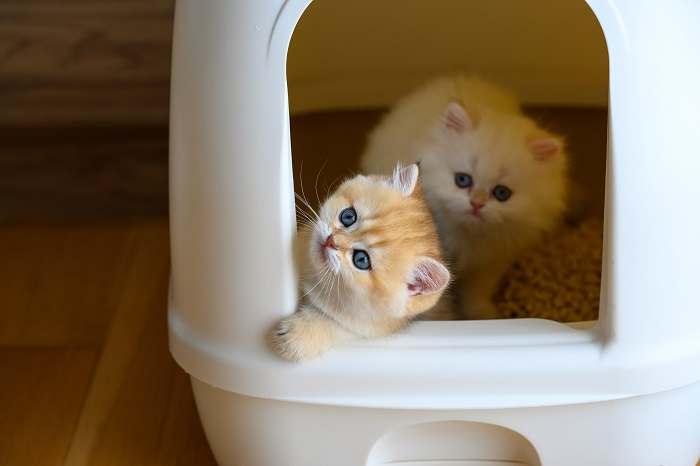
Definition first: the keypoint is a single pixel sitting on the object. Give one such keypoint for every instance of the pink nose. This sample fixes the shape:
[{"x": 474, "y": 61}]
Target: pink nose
[
  {"x": 476, "y": 205},
  {"x": 329, "y": 243}
]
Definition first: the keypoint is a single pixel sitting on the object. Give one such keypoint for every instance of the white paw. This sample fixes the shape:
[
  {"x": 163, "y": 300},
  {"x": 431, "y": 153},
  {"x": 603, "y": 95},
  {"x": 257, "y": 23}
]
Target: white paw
[{"x": 296, "y": 339}]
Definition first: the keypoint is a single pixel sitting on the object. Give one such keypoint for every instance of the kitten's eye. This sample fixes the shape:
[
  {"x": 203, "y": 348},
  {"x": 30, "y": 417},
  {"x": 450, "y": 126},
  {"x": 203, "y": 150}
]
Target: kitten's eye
[
  {"x": 360, "y": 259},
  {"x": 463, "y": 180},
  {"x": 348, "y": 216},
  {"x": 502, "y": 193}
]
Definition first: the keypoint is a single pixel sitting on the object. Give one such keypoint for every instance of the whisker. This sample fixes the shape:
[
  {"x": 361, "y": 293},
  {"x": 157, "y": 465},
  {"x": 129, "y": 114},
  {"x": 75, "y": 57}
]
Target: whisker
[
  {"x": 333, "y": 184},
  {"x": 303, "y": 194},
  {"x": 337, "y": 287},
  {"x": 306, "y": 203},
  {"x": 324, "y": 273},
  {"x": 326, "y": 292},
  {"x": 318, "y": 175},
  {"x": 300, "y": 209},
  {"x": 301, "y": 213}
]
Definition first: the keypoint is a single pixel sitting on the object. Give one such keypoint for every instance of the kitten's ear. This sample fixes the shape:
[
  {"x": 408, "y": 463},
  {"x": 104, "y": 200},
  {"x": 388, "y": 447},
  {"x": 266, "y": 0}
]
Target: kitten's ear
[
  {"x": 428, "y": 276},
  {"x": 545, "y": 146},
  {"x": 405, "y": 178},
  {"x": 456, "y": 118}
]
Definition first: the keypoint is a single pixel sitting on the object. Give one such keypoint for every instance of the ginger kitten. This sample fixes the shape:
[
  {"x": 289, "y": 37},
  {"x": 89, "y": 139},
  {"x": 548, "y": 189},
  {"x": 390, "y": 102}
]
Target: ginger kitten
[
  {"x": 372, "y": 263},
  {"x": 494, "y": 180}
]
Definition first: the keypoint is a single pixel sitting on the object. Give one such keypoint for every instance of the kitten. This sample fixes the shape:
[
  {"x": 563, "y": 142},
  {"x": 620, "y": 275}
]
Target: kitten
[
  {"x": 372, "y": 264},
  {"x": 493, "y": 179}
]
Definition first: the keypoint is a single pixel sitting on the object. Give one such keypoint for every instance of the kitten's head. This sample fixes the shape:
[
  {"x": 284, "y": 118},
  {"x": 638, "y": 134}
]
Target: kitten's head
[
  {"x": 490, "y": 170},
  {"x": 374, "y": 250}
]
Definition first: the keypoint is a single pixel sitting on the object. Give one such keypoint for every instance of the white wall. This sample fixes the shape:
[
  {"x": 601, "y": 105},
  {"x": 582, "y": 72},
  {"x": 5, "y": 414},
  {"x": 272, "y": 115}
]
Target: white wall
[{"x": 365, "y": 53}]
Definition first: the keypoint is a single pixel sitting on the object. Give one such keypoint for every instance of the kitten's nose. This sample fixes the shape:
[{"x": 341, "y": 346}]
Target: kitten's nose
[
  {"x": 329, "y": 243},
  {"x": 476, "y": 205}
]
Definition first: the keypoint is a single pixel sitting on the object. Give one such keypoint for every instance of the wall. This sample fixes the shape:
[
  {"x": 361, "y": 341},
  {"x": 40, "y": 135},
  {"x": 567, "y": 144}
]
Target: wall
[{"x": 367, "y": 52}]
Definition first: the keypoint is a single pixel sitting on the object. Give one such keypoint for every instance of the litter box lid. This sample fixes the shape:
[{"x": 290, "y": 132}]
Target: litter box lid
[{"x": 232, "y": 223}]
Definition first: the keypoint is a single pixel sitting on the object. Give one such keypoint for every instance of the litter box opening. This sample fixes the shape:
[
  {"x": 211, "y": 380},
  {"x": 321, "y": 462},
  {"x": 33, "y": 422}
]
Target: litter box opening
[
  {"x": 347, "y": 59},
  {"x": 455, "y": 443}
]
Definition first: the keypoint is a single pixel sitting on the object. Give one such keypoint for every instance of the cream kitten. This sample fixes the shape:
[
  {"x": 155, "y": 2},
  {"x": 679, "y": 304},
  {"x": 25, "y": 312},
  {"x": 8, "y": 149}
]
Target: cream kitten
[
  {"x": 493, "y": 179},
  {"x": 372, "y": 263}
]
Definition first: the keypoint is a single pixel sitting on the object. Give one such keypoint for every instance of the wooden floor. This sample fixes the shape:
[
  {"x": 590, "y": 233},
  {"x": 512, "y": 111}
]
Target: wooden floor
[
  {"x": 87, "y": 377},
  {"x": 86, "y": 374}
]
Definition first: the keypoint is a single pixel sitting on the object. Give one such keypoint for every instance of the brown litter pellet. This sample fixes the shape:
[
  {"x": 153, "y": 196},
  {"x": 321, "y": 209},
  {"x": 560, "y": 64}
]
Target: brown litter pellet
[{"x": 559, "y": 279}]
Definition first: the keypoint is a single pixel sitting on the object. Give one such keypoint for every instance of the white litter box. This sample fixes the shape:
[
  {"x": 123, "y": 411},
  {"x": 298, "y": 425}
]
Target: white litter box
[{"x": 622, "y": 392}]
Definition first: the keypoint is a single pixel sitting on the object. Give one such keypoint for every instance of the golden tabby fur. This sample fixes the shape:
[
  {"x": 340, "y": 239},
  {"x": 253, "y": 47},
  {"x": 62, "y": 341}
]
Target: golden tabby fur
[{"x": 383, "y": 224}]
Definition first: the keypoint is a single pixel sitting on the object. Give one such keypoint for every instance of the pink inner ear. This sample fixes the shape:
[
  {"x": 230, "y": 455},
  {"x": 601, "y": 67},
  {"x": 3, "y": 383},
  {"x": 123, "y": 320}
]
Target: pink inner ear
[
  {"x": 456, "y": 118},
  {"x": 545, "y": 148},
  {"x": 429, "y": 276},
  {"x": 405, "y": 178}
]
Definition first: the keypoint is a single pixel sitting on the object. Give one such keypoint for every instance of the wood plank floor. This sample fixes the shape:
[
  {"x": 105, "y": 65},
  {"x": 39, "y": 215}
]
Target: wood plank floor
[{"x": 86, "y": 374}]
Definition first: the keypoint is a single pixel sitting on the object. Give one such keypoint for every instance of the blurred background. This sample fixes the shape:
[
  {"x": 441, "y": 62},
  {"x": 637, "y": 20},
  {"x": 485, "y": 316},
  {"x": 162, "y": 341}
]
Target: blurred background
[
  {"x": 84, "y": 84},
  {"x": 366, "y": 53}
]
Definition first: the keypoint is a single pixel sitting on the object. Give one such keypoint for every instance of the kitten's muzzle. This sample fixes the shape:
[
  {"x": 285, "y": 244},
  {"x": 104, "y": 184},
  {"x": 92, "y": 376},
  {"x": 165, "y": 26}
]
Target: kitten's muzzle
[
  {"x": 329, "y": 243},
  {"x": 476, "y": 207}
]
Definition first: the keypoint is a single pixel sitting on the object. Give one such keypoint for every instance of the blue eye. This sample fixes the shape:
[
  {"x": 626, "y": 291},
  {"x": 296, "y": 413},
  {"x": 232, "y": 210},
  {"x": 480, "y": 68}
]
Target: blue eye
[
  {"x": 360, "y": 259},
  {"x": 502, "y": 193},
  {"x": 463, "y": 180},
  {"x": 348, "y": 217}
]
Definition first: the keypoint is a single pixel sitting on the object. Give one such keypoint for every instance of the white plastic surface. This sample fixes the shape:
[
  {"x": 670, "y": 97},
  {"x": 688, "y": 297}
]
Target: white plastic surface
[
  {"x": 653, "y": 430},
  {"x": 439, "y": 365},
  {"x": 455, "y": 463},
  {"x": 232, "y": 220}
]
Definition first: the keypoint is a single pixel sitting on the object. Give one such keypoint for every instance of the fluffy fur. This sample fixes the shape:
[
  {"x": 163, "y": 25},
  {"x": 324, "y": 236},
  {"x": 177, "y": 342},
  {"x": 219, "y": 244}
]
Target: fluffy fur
[
  {"x": 465, "y": 125},
  {"x": 341, "y": 301}
]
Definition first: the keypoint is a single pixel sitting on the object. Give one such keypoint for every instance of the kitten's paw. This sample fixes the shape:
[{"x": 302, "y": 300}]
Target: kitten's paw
[{"x": 298, "y": 338}]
